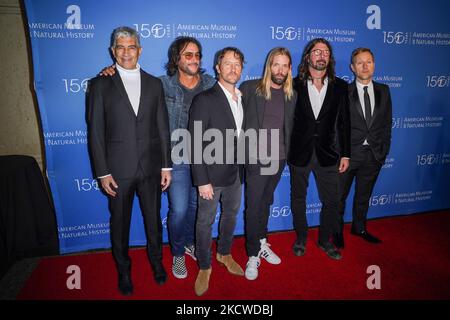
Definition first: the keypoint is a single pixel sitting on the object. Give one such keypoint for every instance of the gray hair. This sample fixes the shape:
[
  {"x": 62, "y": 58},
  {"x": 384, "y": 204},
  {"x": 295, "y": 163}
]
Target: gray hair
[{"x": 124, "y": 32}]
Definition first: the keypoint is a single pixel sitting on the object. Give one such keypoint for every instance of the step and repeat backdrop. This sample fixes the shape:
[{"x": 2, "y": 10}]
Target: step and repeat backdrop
[{"x": 410, "y": 40}]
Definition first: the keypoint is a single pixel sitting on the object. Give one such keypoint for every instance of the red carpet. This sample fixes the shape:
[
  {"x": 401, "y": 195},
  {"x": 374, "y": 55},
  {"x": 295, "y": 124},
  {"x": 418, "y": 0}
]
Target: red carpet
[{"x": 414, "y": 259}]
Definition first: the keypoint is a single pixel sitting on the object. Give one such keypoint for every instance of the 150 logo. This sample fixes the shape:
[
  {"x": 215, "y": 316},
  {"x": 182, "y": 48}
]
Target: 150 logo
[
  {"x": 286, "y": 33},
  {"x": 438, "y": 81}
]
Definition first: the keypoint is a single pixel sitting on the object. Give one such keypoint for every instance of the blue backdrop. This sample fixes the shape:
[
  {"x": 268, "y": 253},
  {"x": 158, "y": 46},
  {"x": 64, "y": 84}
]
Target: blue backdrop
[{"x": 410, "y": 40}]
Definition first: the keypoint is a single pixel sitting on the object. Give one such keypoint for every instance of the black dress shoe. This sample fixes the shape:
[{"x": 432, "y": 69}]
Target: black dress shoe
[
  {"x": 159, "y": 274},
  {"x": 125, "y": 284},
  {"x": 330, "y": 250},
  {"x": 366, "y": 236},
  {"x": 338, "y": 240},
  {"x": 299, "y": 248}
]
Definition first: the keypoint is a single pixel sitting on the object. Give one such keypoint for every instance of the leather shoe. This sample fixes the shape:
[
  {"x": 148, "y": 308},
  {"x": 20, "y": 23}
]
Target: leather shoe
[
  {"x": 159, "y": 273},
  {"x": 299, "y": 248},
  {"x": 366, "y": 236},
  {"x": 202, "y": 281},
  {"x": 338, "y": 240},
  {"x": 232, "y": 266},
  {"x": 330, "y": 250},
  {"x": 125, "y": 284}
]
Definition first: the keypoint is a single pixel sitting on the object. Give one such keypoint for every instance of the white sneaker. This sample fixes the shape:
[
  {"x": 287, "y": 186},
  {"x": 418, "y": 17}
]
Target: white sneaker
[
  {"x": 179, "y": 268},
  {"x": 190, "y": 251},
  {"x": 267, "y": 253},
  {"x": 251, "y": 271}
]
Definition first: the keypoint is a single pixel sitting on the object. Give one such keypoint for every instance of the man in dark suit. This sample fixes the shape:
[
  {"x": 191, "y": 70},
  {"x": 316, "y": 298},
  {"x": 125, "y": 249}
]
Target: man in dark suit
[
  {"x": 320, "y": 142},
  {"x": 371, "y": 119},
  {"x": 269, "y": 104},
  {"x": 130, "y": 148},
  {"x": 217, "y": 114}
]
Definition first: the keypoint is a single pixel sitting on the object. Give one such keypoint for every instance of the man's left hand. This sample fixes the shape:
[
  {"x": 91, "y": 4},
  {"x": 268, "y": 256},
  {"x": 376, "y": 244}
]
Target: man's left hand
[
  {"x": 166, "y": 177},
  {"x": 343, "y": 166}
]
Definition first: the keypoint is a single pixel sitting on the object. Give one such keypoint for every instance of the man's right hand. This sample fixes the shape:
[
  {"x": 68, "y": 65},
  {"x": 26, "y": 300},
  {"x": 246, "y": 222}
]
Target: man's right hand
[
  {"x": 108, "y": 71},
  {"x": 107, "y": 184},
  {"x": 206, "y": 191}
]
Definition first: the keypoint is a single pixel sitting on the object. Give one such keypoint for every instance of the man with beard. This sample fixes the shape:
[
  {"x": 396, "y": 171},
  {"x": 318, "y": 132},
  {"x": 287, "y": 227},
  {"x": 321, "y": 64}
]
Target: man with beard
[
  {"x": 183, "y": 81},
  {"x": 217, "y": 110},
  {"x": 269, "y": 103},
  {"x": 320, "y": 142}
]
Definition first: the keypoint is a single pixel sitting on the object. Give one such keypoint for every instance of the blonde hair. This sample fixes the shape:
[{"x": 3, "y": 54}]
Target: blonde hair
[{"x": 263, "y": 87}]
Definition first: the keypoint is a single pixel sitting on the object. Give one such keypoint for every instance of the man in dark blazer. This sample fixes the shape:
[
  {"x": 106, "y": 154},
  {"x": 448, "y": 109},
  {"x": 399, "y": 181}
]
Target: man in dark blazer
[
  {"x": 320, "y": 142},
  {"x": 130, "y": 149},
  {"x": 215, "y": 121},
  {"x": 371, "y": 119},
  {"x": 269, "y": 104}
]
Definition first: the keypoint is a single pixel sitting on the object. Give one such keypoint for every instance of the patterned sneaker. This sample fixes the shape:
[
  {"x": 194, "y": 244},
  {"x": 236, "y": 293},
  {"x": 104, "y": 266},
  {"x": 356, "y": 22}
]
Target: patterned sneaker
[
  {"x": 267, "y": 253},
  {"x": 251, "y": 271},
  {"x": 190, "y": 251},
  {"x": 179, "y": 268}
]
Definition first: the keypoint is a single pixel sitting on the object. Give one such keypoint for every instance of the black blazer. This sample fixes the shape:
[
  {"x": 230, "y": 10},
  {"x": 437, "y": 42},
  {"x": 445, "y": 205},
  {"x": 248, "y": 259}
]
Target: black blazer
[
  {"x": 211, "y": 107},
  {"x": 254, "y": 107},
  {"x": 329, "y": 135},
  {"x": 378, "y": 134},
  {"x": 118, "y": 139}
]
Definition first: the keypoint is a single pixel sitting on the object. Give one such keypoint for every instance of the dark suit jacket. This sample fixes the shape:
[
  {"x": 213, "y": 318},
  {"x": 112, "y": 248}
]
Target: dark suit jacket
[
  {"x": 211, "y": 107},
  {"x": 254, "y": 107},
  {"x": 329, "y": 135},
  {"x": 119, "y": 140},
  {"x": 378, "y": 134}
]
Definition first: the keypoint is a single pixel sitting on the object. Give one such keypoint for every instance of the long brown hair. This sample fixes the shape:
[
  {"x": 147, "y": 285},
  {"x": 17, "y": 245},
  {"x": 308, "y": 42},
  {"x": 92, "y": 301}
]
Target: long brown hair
[
  {"x": 263, "y": 87},
  {"x": 303, "y": 68}
]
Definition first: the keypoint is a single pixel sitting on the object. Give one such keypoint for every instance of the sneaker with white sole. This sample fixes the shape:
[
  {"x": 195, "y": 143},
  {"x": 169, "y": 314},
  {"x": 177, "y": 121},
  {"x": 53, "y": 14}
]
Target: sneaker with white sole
[
  {"x": 267, "y": 253},
  {"x": 190, "y": 251},
  {"x": 251, "y": 271},
  {"x": 179, "y": 267}
]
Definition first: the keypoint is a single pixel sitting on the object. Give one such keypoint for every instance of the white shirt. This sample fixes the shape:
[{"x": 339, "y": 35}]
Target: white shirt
[
  {"x": 360, "y": 88},
  {"x": 132, "y": 82},
  {"x": 236, "y": 107},
  {"x": 315, "y": 97}
]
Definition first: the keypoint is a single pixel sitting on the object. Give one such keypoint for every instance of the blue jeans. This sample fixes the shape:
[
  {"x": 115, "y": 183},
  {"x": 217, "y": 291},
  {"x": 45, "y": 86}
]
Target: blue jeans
[{"x": 182, "y": 209}]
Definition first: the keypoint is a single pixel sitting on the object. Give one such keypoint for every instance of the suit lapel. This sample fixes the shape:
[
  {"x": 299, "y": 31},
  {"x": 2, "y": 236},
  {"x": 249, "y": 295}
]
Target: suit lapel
[
  {"x": 303, "y": 92},
  {"x": 260, "y": 109},
  {"x": 225, "y": 105},
  {"x": 355, "y": 102},
  {"x": 326, "y": 102},
  {"x": 121, "y": 88},
  {"x": 142, "y": 98},
  {"x": 376, "y": 108}
]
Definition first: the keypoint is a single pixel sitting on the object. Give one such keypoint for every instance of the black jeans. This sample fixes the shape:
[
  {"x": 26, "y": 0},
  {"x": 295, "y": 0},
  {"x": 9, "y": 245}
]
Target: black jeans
[
  {"x": 259, "y": 191},
  {"x": 327, "y": 181}
]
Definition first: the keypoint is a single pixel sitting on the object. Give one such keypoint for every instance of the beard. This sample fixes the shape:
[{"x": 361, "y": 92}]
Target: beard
[
  {"x": 320, "y": 65},
  {"x": 279, "y": 79},
  {"x": 185, "y": 68}
]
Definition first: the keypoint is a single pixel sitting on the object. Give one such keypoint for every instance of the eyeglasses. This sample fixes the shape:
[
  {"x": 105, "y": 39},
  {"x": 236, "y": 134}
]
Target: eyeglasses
[
  {"x": 190, "y": 55},
  {"x": 318, "y": 52}
]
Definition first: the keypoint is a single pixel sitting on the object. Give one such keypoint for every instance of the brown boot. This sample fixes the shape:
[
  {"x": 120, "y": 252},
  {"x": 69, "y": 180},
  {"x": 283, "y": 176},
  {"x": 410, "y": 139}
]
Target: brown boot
[
  {"x": 202, "y": 281},
  {"x": 231, "y": 265}
]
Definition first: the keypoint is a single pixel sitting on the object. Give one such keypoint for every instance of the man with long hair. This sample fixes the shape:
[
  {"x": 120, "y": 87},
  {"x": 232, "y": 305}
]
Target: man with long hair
[
  {"x": 320, "y": 143},
  {"x": 269, "y": 104}
]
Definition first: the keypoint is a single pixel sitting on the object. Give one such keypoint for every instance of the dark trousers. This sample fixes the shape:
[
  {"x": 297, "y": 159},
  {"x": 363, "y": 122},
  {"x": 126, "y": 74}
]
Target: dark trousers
[
  {"x": 259, "y": 191},
  {"x": 148, "y": 190},
  {"x": 364, "y": 169},
  {"x": 327, "y": 181},
  {"x": 230, "y": 198}
]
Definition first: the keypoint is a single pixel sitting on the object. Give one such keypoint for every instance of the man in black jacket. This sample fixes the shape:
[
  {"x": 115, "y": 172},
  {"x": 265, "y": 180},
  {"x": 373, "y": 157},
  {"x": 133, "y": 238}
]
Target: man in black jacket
[
  {"x": 130, "y": 148},
  {"x": 320, "y": 142},
  {"x": 371, "y": 119},
  {"x": 269, "y": 105},
  {"x": 217, "y": 114}
]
